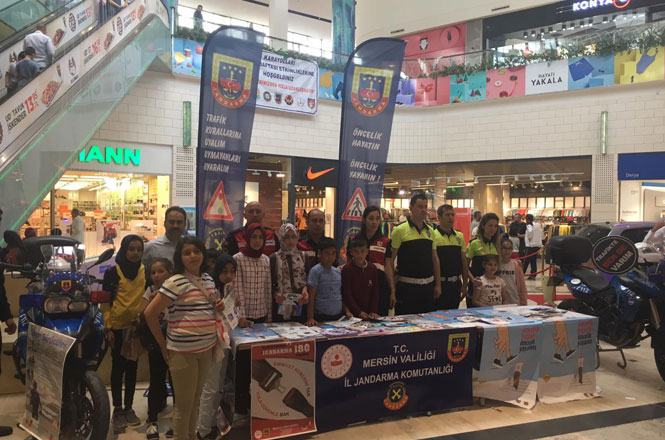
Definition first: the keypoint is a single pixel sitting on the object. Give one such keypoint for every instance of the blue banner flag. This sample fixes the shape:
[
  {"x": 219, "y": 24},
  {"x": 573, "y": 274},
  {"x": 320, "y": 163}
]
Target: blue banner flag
[
  {"x": 229, "y": 76},
  {"x": 359, "y": 379},
  {"x": 371, "y": 78}
]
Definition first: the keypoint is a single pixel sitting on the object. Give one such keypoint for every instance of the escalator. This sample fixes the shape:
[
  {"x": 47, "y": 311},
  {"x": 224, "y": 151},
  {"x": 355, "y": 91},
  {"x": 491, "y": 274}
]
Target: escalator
[
  {"x": 44, "y": 125},
  {"x": 19, "y": 17}
]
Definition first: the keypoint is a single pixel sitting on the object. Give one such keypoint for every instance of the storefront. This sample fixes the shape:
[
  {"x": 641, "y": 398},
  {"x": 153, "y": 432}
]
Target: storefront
[
  {"x": 314, "y": 183},
  {"x": 642, "y": 186},
  {"x": 120, "y": 188},
  {"x": 558, "y": 24}
]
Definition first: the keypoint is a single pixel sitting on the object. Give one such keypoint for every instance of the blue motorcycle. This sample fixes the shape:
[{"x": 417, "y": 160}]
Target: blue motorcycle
[
  {"x": 626, "y": 305},
  {"x": 59, "y": 298}
]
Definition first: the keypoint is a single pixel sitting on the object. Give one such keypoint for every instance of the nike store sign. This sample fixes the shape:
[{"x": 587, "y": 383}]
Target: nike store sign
[{"x": 318, "y": 173}]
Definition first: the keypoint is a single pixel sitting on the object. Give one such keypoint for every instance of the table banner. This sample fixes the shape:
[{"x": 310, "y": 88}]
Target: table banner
[
  {"x": 568, "y": 360},
  {"x": 283, "y": 389},
  {"x": 367, "y": 378},
  {"x": 509, "y": 364},
  {"x": 45, "y": 363},
  {"x": 288, "y": 84}
]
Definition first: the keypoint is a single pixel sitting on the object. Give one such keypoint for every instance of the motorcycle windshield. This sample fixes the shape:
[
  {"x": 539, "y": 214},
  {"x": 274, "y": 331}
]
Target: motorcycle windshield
[{"x": 66, "y": 258}]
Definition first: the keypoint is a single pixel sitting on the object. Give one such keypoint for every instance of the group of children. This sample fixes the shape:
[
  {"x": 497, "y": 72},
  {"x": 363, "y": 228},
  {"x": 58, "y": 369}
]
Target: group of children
[{"x": 182, "y": 303}]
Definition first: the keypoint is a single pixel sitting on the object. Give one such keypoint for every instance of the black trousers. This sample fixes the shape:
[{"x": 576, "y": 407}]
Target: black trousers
[
  {"x": 122, "y": 367},
  {"x": 450, "y": 295},
  {"x": 414, "y": 298},
  {"x": 532, "y": 261},
  {"x": 157, "y": 395}
]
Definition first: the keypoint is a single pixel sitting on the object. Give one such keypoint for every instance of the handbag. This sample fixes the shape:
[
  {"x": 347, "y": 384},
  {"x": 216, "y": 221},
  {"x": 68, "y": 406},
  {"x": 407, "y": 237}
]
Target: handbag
[
  {"x": 145, "y": 334},
  {"x": 131, "y": 345}
]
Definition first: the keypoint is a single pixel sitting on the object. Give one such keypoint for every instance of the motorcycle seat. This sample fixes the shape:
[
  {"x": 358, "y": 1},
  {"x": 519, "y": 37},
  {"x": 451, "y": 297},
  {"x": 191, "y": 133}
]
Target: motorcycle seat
[{"x": 595, "y": 282}]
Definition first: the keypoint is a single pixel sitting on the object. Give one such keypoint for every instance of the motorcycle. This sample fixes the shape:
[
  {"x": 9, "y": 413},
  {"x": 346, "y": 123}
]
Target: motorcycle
[
  {"x": 627, "y": 305},
  {"x": 59, "y": 298}
]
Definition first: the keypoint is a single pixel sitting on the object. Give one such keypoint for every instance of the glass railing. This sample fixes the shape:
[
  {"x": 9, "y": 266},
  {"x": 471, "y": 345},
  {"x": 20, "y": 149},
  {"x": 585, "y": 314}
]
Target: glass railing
[{"x": 18, "y": 14}]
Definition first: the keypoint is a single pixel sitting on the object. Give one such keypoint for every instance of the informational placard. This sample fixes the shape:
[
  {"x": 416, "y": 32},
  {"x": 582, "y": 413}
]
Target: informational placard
[
  {"x": 45, "y": 363},
  {"x": 29, "y": 103},
  {"x": 614, "y": 254},
  {"x": 288, "y": 84},
  {"x": 363, "y": 378},
  {"x": 547, "y": 77},
  {"x": 568, "y": 358},
  {"x": 283, "y": 389},
  {"x": 509, "y": 364}
]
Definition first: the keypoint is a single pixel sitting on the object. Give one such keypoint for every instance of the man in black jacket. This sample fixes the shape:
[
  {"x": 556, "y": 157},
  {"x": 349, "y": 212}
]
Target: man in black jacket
[{"x": 6, "y": 317}]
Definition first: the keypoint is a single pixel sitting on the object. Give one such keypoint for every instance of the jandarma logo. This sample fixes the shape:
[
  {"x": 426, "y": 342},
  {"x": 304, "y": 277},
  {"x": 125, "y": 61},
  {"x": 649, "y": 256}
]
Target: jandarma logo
[{"x": 592, "y": 4}]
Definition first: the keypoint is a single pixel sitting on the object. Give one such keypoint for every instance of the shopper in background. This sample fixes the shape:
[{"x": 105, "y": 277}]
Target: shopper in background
[
  {"x": 5, "y": 312},
  {"x": 450, "y": 247},
  {"x": 11, "y": 77},
  {"x": 78, "y": 226},
  {"x": 475, "y": 221},
  {"x": 117, "y": 6},
  {"x": 223, "y": 274},
  {"x": 127, "y": 283},
  {"x": 533, "y": 240},
  {"x": 518, "y": 230},
  {"x": 419, "y": 280},
  {"x": 253, "y": 284},
  {"x": 175, "y": 221},
  {"x": 235, "y": 241},
  {"x": 485, "y": 243},
  {"x": 198, "y": 18},
  {"x": 42, "y": 45},
  {"x": 379, "y": 251},
  {"x": 316, "y": 226},
  {"x": 191, "y": 334},
  {"x": 510, "y": 270},
  {"x": 656, "y": 236},
  {"x": 160, "y": 271},
  {"x": 26, "y": 69},
  {"x": 288, "y": 274},
  {"x": 103, "y": 11}
]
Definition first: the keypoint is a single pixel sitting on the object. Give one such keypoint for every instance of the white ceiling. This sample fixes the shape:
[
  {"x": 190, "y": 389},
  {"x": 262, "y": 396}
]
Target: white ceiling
[{"x": 259, "y": 14}]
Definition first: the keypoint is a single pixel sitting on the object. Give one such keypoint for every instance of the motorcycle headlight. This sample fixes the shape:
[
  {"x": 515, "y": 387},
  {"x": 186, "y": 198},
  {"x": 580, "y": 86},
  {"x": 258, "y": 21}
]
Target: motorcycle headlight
[
  {"x": 78, "y": 306},
  {"x": 56, "y": 304}
]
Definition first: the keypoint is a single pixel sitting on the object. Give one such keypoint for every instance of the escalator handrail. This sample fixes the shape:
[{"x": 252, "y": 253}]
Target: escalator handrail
[{"x": 27, "y": 30}]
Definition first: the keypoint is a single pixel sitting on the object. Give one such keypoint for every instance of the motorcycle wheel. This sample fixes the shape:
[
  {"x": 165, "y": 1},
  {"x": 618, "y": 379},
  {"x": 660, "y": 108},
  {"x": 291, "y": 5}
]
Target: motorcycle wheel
[
  {"x": 93, "y": 411},
  {"x": 659, "y": 356}
]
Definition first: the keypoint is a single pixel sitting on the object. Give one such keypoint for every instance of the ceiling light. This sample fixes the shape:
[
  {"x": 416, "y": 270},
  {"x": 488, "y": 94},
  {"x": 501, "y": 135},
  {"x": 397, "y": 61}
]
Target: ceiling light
[
  {"x": 269, "y": 174},
  {"x": 563, "y": 27},
  {"x": 533, "y": 33},
  {"x": 401, "y": 192},
  {"x": 280, "y": 175},
  {"x": 526, "y": 34},
  {"x": 255, "y": 173}
]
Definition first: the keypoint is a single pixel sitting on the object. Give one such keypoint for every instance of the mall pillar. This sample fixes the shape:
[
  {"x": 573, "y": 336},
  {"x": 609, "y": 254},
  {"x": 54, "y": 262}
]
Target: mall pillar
[
  {"x": 439, "y": 191},
  {"x": 495, "y": 200},
  {"x": 279, "y": 23},
  {"x": 343, "y": 29},
  {"x": 480, "y": 198},
  {"x": 604, "y": 188}
]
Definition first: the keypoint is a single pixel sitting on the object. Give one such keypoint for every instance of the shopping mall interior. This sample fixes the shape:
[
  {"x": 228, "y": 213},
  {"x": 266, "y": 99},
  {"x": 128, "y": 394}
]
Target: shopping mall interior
[{"x": 544, "y": 117}]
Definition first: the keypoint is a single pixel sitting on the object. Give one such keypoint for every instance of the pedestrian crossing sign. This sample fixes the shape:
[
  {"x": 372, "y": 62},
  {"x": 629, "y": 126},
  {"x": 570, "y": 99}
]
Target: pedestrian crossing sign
[
  {"x": 356, "y": 206},
  {"x": 218, "y": 208}
]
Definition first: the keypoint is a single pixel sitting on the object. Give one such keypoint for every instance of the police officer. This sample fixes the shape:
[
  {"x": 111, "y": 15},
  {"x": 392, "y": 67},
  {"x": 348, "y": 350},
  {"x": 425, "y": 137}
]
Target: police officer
[
  {"x": 235, "y": 241},
  {"x": 451, "y": 249},
  {"x": 485, "y": 243},
  {"x": 419, "y": 281},
  {"x": 316, "y": 227}
]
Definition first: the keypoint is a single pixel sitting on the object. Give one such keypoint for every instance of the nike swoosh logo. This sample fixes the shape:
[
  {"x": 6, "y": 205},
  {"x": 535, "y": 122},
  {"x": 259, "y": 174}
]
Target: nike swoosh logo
[{"x": 312, "y": 176}]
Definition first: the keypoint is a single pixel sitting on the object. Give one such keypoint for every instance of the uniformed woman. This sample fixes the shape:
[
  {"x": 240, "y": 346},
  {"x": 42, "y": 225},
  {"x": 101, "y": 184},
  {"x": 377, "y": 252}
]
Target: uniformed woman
[{"x": 485, "y": 243}]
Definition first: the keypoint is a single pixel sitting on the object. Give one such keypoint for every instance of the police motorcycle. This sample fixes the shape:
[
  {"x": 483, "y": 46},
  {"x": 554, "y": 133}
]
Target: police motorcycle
[
  {"x": 631, "y": 302},
  {"x": 59, "y": 298}
]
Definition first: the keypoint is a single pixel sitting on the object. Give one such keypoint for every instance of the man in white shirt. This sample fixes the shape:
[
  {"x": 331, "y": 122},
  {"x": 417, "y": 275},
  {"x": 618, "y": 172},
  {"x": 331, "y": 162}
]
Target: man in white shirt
[
  {"x": 656, "y": 236},
  {"x": 78, "y": 226},
  {"x": 43, "y": 46},
  {"x": 175, "y": 222},
  {"x": 533, "y": 239}
]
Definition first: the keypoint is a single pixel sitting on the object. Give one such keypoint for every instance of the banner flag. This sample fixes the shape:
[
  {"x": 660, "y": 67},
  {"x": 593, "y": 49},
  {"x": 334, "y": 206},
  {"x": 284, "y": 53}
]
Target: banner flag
[
  {"x": 229, "y": 77},
  {"x": 371, "y": 78}
]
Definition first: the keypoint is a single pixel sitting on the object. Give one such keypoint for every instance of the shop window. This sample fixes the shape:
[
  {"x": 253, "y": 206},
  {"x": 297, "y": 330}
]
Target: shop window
[
  {"x": 515, "y": 202},
  {"x": 524, "y": 202},
  {"x": 532, "y": 203},
  {"x": 559, "y": 202},
  {"x": 549, "y": 202},
  {"x": 587, "y": 201},
  {"x": 570, "y": 202},
  {"x": 540, "y": 203},
  {"x": 579, "y": 202}
]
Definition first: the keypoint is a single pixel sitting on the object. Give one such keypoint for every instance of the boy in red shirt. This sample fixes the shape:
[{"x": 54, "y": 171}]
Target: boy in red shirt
[{"x": 360, "y": 282}]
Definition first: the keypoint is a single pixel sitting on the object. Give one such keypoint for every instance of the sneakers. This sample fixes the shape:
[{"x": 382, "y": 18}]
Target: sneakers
[
  {"x": 169, "y": 433},
  {"x": 212, "y": 435},
  {"x": 119, "y": 420},
  {"x": 509, "y": 359},
  {"x": 557, "y": 357},
  {"x": 130, "y": 417},
  {"x": 152, "y": 431},
  {"x": 497, "y": 363},
  {"x": 570, "y": 353}
]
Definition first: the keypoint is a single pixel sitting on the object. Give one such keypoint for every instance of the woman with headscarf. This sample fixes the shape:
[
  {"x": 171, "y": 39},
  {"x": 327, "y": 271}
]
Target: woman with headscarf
[
  {"x": 127, "y": 282},
  {"x": 253, "y": 288},
  {"x": 288, "y": 275}
]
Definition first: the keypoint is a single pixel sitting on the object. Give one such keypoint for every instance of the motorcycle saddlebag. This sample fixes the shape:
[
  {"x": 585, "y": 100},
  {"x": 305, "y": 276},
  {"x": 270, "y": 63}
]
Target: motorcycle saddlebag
[{"x": 570, "y": 250}]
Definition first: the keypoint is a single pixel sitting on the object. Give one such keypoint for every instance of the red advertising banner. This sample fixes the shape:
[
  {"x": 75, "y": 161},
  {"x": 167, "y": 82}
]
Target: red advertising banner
[{"x": 283, "y": 389}]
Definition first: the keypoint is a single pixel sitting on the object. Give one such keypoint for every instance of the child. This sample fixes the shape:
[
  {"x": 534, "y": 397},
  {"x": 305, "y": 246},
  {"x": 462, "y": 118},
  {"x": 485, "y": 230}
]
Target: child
[
  {"x": 324, "y": 285},
  {"x": 253, "y": 288},
  {"x": 161, "y": 269},
  {"x": 492, "y": 289},
  {"x": 211, "y": 260},
  {"x": 224, "y": 274},
  {"x": 288, "y": 273},
  {"x": 192, "y": 331},
  {"x": 127, "y": 282},
  {"x": 511, "y": 272},
  {"x": 360, "y": 282}
]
